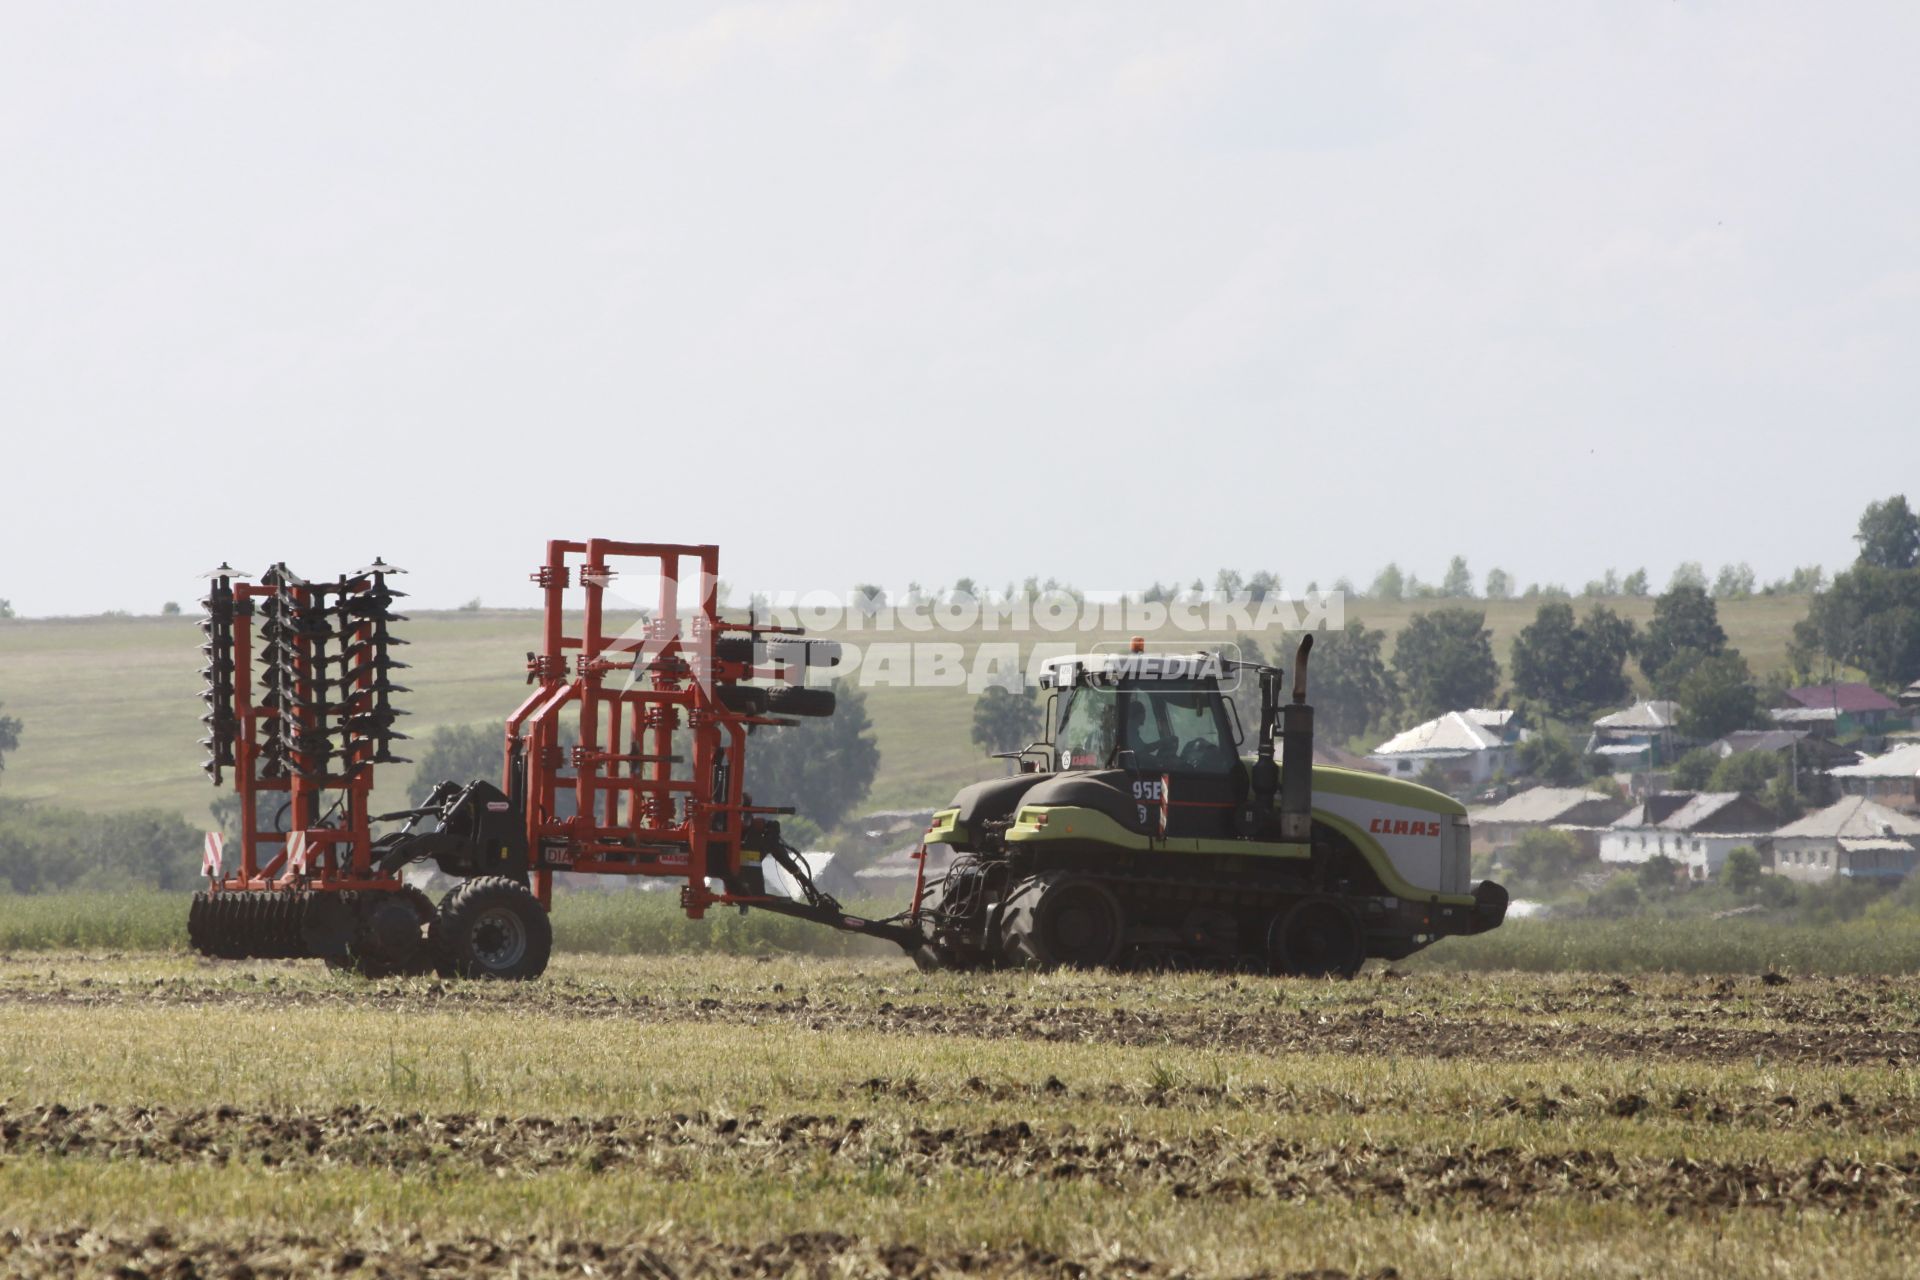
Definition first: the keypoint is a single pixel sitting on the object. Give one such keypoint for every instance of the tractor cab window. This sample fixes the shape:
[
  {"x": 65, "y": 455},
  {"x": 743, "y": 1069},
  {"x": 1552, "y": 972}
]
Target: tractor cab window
[
  {"x": 1087, "y": 728},
  {"x": 1178, "y": 726}
]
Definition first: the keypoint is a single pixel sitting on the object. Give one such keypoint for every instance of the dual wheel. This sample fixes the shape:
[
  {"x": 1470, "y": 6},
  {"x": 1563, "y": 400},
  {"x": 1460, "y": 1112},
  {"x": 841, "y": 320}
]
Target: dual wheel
[
  {"x": 1059, "y": 920},
  {"x": 487, "y": 927}
]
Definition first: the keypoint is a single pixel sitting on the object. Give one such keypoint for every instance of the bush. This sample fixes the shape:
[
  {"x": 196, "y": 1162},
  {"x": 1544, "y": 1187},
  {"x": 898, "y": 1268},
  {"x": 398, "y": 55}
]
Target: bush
[
  {"x": 1658, "y": 873},
  {"x": 43, "y": 849},
  {"x": 1742, "y": 872},
  {"x": 1546, "y": 860}
]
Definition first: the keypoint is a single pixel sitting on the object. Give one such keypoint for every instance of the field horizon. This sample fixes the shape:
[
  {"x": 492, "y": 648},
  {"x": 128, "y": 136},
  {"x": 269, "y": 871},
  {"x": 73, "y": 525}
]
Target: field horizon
[{"x": 110, "y": 705}]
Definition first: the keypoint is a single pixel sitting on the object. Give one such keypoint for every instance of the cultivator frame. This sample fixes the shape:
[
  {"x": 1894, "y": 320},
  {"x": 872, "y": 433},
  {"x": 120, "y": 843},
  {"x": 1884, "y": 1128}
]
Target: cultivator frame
[{"x": 652, "y": 783}]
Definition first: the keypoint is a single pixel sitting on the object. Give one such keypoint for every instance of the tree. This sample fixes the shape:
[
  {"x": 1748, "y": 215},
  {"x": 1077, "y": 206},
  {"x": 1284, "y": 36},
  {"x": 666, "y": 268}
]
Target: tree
[
  {"x": 1550, "y": 759},
  {"x": 965, "y": 591},
  {"x": 1635, "y": 584},
  {"x": 1445, "y": 661},
  {"x": 1388, "y": 584},
  {"x": 1694, "y": 770},
  {"x": 869, "y": 599},
  {"x": 1573, "y": 666},
  {"x": 1262, "y": 584},
  {"x": 1688, "y": 573},
  {"x": 1749, "y": 772},
  {"x": 1742, "y": 870},
  {"x": 1735, "y": 581},
  {"x": 1004, "y": 720},
  {"x": 458, "y": 753},
  {"x": 1889, "y": 535},
  {"x": 1499, "y": 584},
  {"x": 1228, "y": 583},
  {"x": 1349, "y": 683},
  {"x": 1783, "y": 798},
  {"x": 1716, "y": 697},
  {"x": 1684, "y": 621},
  {"x": 6, "y": 609},
  {"x": 1869, "y": 618},
  {"x": 171, "y": 609},
  {"x": 9, "y": 737},
  {"x": 823, "y": 767},
  {"x": 1458, "y": 583}
]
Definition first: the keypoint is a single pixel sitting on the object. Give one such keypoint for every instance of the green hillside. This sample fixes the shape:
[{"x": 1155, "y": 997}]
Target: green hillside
[{"x": 111, "y": 705}]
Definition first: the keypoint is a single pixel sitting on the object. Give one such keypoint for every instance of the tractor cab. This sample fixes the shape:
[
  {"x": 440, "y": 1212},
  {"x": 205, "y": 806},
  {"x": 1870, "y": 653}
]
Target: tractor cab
[{"x": 1145, "y": 713}]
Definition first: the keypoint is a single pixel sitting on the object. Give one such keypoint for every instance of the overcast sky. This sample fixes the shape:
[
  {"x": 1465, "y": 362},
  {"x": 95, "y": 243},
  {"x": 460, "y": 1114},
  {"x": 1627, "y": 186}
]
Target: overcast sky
[{"x": 877, "y": 293}]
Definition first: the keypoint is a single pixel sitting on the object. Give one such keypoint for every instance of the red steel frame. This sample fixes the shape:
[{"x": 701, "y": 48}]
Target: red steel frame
[
  {"x": 638, "y": 808},
  {"x": 634, "y": 813}
]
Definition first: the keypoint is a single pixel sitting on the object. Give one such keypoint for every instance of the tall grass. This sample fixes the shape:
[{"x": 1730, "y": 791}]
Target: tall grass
[
  {"x": 588, "y": 923},
  {"x": 1641, "y": 944},
  {"x": 135, "y": 920}
]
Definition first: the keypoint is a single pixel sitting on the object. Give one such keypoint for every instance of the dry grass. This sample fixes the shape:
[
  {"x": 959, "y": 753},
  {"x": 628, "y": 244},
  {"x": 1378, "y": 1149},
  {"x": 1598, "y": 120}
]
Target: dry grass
[{"x": 699, "y": 1109}]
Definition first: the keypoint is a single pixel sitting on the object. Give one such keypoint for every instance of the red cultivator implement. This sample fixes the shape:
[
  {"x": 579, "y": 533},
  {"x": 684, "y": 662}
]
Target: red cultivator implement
[{"x": 628, "y": 758}]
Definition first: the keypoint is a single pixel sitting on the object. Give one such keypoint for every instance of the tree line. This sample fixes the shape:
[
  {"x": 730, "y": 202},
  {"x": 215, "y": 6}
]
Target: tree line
[{"x": 1572, "y": 665}]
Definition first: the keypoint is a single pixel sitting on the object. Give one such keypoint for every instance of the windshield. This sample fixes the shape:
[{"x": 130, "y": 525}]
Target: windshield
[
  {"x": 1087, "y": 727},
  {"x": 1177, "y": 725}
]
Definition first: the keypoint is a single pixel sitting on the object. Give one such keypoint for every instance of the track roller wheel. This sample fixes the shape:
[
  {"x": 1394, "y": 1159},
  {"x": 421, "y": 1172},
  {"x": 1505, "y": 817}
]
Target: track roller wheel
[
  {"x": 492, "y": 927},
  {"x": 389, "y": 935},
  {"x": 1316, "y": 938},
  {"x": 1054, "y": 920}
]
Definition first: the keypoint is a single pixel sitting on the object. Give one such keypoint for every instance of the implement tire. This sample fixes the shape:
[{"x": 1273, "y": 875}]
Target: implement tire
[
  {"x": 1055, "y": 920},
  {"x": 492, "y": 927}
]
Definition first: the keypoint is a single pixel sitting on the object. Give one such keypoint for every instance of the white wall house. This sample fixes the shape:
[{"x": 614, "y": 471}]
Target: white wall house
[
  {"x": 1697, "y": 829},
  {"x": 1470, "y": 747},
  {"x": 1853, "y": 838}
]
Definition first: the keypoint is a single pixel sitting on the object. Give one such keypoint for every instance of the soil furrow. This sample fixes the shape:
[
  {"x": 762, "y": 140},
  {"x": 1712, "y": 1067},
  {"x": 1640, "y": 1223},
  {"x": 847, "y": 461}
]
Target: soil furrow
[
  {"x": 1277, "y": 1029},
  {"x": 1207, "y": 1164}
]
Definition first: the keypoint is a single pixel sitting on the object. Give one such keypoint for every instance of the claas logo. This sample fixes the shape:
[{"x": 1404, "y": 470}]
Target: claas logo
[{"x": 1402, "y": 827}]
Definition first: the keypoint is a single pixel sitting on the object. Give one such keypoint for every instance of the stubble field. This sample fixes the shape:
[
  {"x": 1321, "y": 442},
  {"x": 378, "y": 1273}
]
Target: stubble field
[{"x": 716, "y": 1115}]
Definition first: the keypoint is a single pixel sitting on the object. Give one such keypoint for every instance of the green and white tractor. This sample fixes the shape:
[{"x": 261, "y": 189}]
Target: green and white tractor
[{"x": 1136, "y": 835}]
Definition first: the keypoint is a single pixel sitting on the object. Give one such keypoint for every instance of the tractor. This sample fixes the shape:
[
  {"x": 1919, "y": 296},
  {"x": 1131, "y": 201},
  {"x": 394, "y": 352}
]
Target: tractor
[{"x": 1135, "y": 835}]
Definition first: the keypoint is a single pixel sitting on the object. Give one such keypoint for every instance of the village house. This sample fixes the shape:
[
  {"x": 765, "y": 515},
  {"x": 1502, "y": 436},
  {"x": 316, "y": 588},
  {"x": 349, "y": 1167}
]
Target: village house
[
  {"x": 1641, "y": 737},
  {"x": 1697, "y": 829},
  {"x": 1838, "y": 710},
  {"x": 1584, "y": 814},
  {"x": 1467, "y": 747},
  {"x": 1892, "y": 779},
  {"x": 1853, "y": 838}
]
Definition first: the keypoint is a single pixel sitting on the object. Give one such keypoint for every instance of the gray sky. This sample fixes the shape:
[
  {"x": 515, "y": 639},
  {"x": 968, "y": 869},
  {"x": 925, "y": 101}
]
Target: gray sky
[{"x": 1112, "y": 293}]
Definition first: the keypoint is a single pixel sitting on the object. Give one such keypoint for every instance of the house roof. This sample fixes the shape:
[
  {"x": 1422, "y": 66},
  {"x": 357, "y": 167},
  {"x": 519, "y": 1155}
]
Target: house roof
[
  {"x": 1901, "y": 762},
  {"x": 1803, "y": 715},
  {"x": 1741, "y": 741},
  {"x": 1853, "y": 818},
  {"x": 1679, "y": 810},
  {"x": 1541, "y": 805},
  {"x": 1847, "y": 697},
  {"x": 1910, "y": 696},
  {"x": 1656, "y": 713},
  {"x": 1454, "y": 733}
]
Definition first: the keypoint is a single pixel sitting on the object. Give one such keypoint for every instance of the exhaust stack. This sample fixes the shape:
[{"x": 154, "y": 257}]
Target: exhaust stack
[{"x": 1296, "y": 761}]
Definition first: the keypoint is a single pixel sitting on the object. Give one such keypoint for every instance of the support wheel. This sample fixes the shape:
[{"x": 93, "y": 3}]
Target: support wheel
[
  {"x": 1317, "y": 938},
  {"x": 389, "y": 936},
  {"x": 492, "y": 927},
  {"x": 1061, "y": 921}
]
